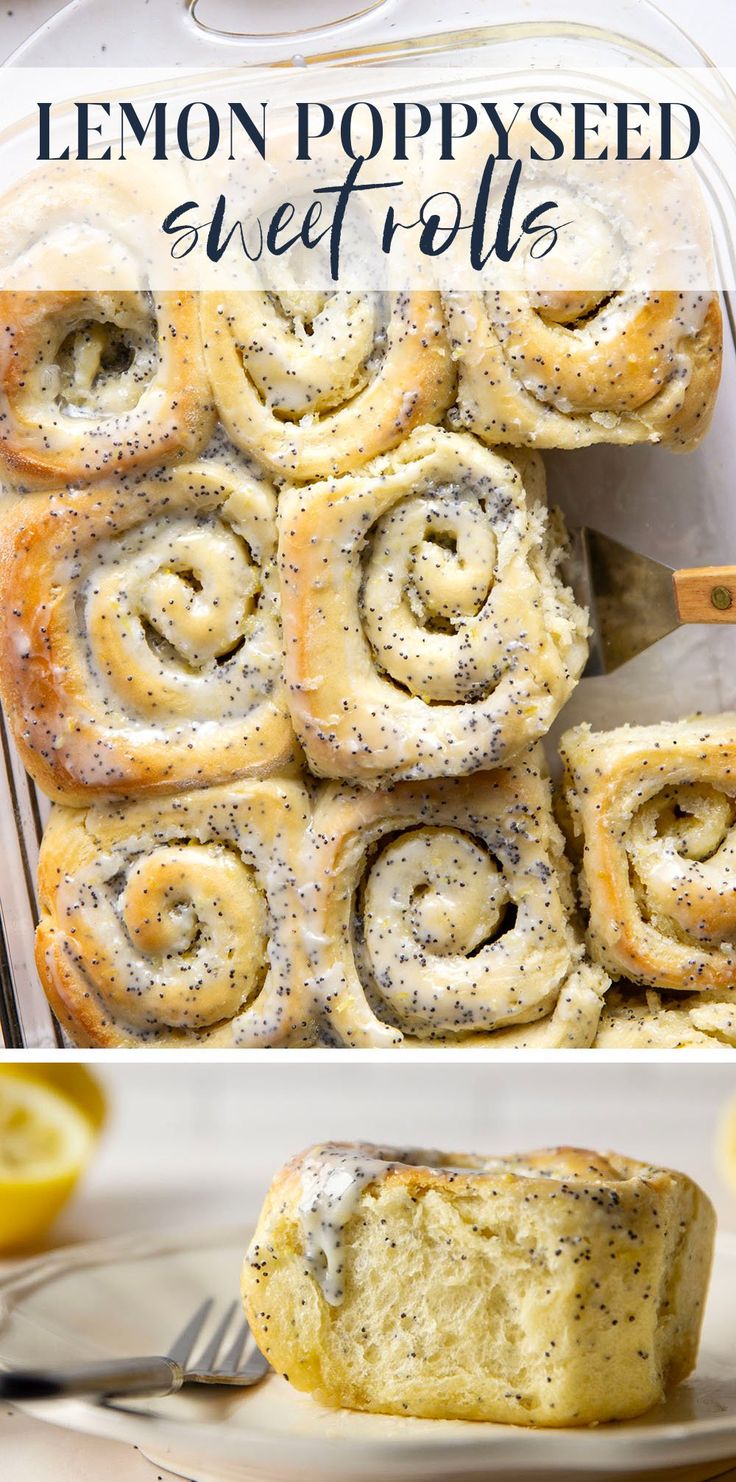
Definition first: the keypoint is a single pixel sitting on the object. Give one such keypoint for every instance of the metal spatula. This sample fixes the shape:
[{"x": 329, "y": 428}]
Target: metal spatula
[{"x": 634, "y": 601}]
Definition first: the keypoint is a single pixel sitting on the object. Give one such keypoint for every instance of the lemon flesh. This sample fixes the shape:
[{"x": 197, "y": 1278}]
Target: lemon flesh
[
  {"x": 726, "y": 1144},
  {"x": 74, "y": 1081},
  {"x": 45, "y": 1143}
]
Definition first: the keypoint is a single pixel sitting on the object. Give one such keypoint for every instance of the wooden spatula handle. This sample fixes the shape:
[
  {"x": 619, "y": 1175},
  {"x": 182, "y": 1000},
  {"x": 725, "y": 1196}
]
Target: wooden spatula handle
[{"x": 706, "y": 594}]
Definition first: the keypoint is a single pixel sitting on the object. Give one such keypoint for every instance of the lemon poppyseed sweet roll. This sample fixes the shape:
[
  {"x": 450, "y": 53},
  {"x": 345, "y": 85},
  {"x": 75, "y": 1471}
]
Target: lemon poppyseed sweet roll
[
  {"x": 140, "y": 635},
  {"x": 427, "y": 631},
  {"x": 604, "y": 328},
  {"x": 556, "y": 1288},
  {"x": 655, "y": 808},
  {"x": 316, "y": 383},
  {"x": 564, "y": 370},
  {"x": 442, "y": 913},
  {"x": 105, "y": 378},
  {"x": 615, "y": 336},
  {"x": 177, "y": 922}
]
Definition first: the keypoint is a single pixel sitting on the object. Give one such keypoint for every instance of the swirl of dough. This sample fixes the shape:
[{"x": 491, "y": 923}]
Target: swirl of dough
[
  {"x": 682, "y": 844},
  {"x": 431, "y": 899},
  {"x": 567, "y": 370},
  {"x": 425, "y": 596},
  {"x": 442, "y": 910},
  {"x": 172, "y": 615},
  {"x": 189, "y": 930},
  {"x": 656, "y": 808},
  {"x": 141, "y": 638},
  {"x": 604, "y": 329},
  {"x": 316, "y": 383},
  {"x": 177, "y": 922},
  {"x": 106, "y": 377},
  {"x": 427, "y": 630}
]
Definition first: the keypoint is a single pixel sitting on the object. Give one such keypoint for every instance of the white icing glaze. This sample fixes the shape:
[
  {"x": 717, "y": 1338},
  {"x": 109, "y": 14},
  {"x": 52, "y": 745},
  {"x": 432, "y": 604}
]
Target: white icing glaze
[
  {"x": 430, "y": 581},
  {"x": 334, "y": 1176},
  {"x": 159, "y": 620}
]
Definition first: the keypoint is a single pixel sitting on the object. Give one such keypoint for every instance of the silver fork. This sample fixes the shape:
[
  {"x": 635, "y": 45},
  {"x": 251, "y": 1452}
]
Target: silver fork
[{"x": 240, "y": 1363}]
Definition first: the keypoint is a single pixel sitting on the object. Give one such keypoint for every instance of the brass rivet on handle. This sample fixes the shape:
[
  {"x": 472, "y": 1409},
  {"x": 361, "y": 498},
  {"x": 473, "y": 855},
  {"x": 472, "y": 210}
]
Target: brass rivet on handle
[{"x": 721, "y": 598}]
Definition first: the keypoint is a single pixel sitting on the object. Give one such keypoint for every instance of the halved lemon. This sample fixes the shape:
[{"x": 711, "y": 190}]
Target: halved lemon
[
  {"x": 45, "y": 1144},
  {"x": 75, "y": 1081}
]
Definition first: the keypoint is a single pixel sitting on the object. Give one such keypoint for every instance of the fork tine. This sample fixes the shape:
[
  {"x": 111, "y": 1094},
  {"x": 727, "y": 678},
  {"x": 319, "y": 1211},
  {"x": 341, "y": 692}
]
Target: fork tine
[
  {"x": 208, "y": 1359},
  {"x": 255, "y": 1367},
  {"x": 181, "y": 1349},
  {"x": 230, "y": 1360}
]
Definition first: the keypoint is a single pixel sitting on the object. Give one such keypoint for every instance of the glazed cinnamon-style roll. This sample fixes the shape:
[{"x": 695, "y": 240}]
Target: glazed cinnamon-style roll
[
  {"x": 564, "y": 370},
  {"x": 176, "y": 923},
  {"x": 655, "y": 807},
  {"x": 441, "y": 912},
  {"x": 315, "y": 383},
  {"x": 107, "y": 378},
  {"x": 555, "y": 1288},
  {"x": 140, "y": 636},
  {"x": 427, "y": 630}
]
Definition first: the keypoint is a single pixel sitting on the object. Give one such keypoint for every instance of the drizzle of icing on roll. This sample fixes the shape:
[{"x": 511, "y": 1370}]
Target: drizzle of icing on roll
[{"x": 334, "y": 1176}]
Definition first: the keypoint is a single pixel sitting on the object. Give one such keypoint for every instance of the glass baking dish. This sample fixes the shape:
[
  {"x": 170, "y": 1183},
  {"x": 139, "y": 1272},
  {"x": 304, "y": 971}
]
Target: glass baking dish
[{"x": 679, "y": 510}]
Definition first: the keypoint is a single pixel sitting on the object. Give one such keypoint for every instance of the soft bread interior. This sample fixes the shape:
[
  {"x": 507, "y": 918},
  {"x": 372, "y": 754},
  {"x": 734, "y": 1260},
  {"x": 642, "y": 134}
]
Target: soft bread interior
[{"x": 501, "y": 1298}]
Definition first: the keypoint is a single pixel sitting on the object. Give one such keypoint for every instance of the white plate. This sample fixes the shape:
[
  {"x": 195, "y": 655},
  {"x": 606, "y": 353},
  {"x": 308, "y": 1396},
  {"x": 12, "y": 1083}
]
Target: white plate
[{"x": 132, "y": 1296}]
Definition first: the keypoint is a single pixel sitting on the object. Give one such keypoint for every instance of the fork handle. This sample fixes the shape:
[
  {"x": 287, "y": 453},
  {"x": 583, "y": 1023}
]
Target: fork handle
[
  {"x": 134, "y": 1376},
  {"x": 706, "y": 594}
]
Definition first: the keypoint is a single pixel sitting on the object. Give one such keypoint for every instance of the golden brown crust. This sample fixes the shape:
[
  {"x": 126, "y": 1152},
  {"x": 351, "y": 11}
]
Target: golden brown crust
[
  {"x": 140, "y": 641},
  {"x": 465, "y": 1170},
  {"x": 642, "y": 368}
]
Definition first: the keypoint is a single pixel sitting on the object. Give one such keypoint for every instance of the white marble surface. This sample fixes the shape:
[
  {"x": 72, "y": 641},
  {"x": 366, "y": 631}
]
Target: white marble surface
[{"x": 188, "y": 1144}]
